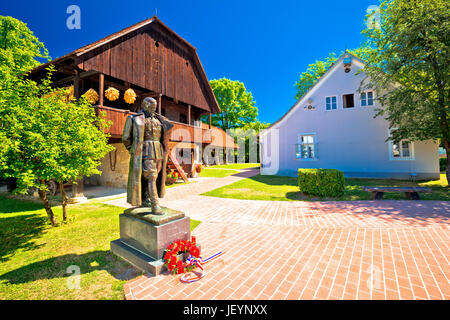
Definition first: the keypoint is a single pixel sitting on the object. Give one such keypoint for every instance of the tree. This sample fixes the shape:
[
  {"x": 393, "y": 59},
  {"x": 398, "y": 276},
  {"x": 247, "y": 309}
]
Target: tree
[
  {"x": 312, "y": 74},
  {"x": 409, "y": 67},
  {"x": 50, "y": 137},
  {"x": 19, "y": 47},
  {"x": 44, "y": 133},
  {"x": 318, "y": 69},
  {"x": 236, "y": 104},
  {"x": 251, "y": 135}
]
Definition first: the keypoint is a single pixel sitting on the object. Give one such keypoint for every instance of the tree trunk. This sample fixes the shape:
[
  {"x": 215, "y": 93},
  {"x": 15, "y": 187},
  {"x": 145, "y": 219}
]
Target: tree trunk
[
  {"x": 65, "y": 200},
  {"x": 48, "y": 209},
  {"x": 447, "y": 169}
]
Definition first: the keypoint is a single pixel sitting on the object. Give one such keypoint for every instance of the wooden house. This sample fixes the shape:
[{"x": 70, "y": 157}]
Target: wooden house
[{"x": 153, "y": 61}]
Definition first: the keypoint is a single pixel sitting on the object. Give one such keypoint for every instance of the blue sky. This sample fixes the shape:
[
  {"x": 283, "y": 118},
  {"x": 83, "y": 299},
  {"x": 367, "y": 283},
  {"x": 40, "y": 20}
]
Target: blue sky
[{"x": 264, "y": 44}]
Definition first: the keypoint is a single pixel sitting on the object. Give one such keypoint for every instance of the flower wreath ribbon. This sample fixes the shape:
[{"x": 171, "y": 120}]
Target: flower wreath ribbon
[{"x": 199, "y": 262}]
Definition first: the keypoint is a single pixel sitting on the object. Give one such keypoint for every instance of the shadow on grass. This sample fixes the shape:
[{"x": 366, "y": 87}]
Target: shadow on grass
[
  {"x": 353, "y": 189},
  {"x": 297, "y": 195},
  {"x": 17, "y": 232},
  {"x": 269, "y": 180},
  {"x": 11, "y": 205},
  {"x": 56, "y": 267}
]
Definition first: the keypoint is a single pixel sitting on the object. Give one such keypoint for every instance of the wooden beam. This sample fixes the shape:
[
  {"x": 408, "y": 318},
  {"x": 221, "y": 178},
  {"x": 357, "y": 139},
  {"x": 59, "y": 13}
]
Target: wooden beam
[
  {"x": 150, "y": 94},
  {"x": 180, "y": 170},
  {"x": 81, "y": 75},
  {"x": 189, "y": 114},
  {"x": 101, "y": 88},
  {"x": 88, "y": 73},
  {"x": 76, "y": 85},
  {"x": 210, "y": 120},
  {"x": 63, "y": 81},
  {"x": 159, "y": 103}
]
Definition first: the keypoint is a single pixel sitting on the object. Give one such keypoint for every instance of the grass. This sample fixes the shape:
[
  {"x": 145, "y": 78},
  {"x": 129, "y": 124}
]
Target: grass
[
  {"x": 286, "y": 189},
  {"x": 34, "y": 256},
  {"x": 225, "y": 170},
  {"x": 216, "y": 173},
  {"x": 194, "y": 224},
  {"x": 176, "y": 184},
  {"x": 237, "y": 166}
]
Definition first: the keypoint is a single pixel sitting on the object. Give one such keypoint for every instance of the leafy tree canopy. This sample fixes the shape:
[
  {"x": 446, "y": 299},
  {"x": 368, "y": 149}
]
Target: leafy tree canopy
[
  {"x": 19, "y": 47},
  {"x": 409, "y": 66},
  {"x": 318, "y": 69},
  {"x": 45, "y": 133},
  {"x": 236, "y": 104},
  {"x": 48, "y": 135}
]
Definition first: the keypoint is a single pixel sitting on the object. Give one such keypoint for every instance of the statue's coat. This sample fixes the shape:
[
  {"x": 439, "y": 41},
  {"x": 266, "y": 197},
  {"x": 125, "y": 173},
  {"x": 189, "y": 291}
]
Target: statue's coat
[{"x": 132, "y": 138}]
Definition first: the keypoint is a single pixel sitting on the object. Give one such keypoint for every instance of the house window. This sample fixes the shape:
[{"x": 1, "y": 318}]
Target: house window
[
  {"x": 401, "y": 150},
  {"x": 367, "y": 98},
  {"x": 306, "y": 147},
  {"x": 331, "y": 103},
  {"x": 349, "y": 100}
]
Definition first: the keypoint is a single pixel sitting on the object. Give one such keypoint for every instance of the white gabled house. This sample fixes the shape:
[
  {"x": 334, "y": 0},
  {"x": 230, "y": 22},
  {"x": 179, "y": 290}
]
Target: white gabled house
[{"x": 333, "y": 126}]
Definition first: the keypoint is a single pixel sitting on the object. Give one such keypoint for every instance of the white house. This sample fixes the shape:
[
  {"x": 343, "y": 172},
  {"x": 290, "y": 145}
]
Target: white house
[{"x": 333, "y": 126}]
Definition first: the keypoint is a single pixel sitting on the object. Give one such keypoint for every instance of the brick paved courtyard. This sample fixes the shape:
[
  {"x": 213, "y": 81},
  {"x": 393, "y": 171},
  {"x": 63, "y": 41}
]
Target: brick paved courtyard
[{"x": 308, "y": 250}]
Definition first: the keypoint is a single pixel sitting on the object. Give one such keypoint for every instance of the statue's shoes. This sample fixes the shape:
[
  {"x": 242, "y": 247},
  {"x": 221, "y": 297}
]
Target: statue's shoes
[{"x": 156, "y": 209}]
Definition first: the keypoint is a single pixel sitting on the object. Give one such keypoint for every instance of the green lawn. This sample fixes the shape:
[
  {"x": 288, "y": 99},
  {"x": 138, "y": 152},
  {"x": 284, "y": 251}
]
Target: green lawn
[
  {"x": 286, "y": 189},
  {"x": 237, "y": 166},
  {"x": 216, "y": 173},
  {"x": 34, "y": 256},
  {"x": 176, "y": 184}
]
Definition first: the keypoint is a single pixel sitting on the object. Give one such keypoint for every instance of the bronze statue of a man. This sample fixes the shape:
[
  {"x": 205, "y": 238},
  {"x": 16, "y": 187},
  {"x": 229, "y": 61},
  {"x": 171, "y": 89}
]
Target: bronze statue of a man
[{"x": 146, "y": 136}]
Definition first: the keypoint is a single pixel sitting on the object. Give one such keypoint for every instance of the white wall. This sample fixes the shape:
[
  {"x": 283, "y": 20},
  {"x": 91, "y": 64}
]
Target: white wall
[{"x": 350, "y": 140}]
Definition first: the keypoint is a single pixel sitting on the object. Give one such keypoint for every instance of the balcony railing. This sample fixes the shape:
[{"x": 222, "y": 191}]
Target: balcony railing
[
  {"x": 180, "y": 132},
  {"x": 189, "y": 133},
  {"x": 117, "y": 117}
]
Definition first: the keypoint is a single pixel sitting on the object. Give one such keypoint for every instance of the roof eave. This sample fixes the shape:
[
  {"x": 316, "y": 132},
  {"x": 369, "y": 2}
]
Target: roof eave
[{"x": 330, "y": 69}]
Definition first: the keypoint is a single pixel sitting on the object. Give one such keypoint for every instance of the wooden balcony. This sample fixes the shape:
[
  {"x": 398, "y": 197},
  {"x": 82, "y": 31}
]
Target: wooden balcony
[
  {"x": 188, "y": 133},
  {"x": 181, "y": 132},
  {"x": 117, "y": 117}
]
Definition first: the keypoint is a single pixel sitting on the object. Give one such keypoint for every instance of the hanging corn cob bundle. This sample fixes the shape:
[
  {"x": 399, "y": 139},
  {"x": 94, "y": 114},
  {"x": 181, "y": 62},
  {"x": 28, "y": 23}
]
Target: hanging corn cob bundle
[
  {"x": 69, "y": 93},
  {"x": 91, "y": 96},
  {"x": 129, "y": 96},
  {"x": 112, "y": 94},
  {"x": 64, "y": 94}
]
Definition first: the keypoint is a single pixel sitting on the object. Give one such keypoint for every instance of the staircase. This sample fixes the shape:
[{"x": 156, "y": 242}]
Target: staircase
[{"x": 173, "y": 164}]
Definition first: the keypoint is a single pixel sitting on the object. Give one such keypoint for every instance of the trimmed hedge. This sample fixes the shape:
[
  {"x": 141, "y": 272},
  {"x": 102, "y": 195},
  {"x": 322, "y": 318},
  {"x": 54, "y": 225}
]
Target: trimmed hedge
[{"x": 321, "y": 182}]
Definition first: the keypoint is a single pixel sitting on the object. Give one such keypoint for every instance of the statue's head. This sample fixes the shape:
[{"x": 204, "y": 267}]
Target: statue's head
[{"x": 149, "y": 105}]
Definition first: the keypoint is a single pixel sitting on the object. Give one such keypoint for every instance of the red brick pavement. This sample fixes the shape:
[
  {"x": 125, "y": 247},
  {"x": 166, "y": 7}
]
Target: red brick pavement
[{"x": 309, "y": 250}]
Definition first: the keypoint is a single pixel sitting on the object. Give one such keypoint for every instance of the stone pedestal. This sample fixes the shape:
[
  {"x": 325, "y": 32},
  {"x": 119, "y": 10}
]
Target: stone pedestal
[{"x": 144, "y": 237}]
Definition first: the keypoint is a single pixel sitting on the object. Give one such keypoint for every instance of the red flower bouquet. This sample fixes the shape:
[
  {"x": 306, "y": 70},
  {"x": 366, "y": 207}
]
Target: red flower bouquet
[{"x": 175, "y": 264}]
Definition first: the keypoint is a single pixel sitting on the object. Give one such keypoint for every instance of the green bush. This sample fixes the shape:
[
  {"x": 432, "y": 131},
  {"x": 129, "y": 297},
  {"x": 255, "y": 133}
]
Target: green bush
[
  {"x": 442, "y": 164},
  {"x": 321, "y": 182}
]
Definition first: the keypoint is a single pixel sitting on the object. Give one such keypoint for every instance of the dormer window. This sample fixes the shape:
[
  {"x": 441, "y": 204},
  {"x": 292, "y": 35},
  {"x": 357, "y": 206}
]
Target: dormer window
[
  {"x": 349, "y": 100},
  {"x": 331, "y": 103},
  {"x": 367, "y": 98}
]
